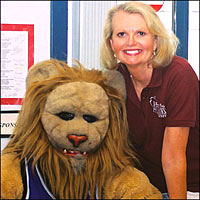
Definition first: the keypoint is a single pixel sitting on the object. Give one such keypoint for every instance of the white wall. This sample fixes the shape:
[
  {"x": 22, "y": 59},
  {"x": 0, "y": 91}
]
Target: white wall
[{"x": 31, "y": 12}]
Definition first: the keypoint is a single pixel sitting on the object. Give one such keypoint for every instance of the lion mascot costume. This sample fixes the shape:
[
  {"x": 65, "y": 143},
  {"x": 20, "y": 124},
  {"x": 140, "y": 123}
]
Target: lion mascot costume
[{"x": 71, "y": 139}]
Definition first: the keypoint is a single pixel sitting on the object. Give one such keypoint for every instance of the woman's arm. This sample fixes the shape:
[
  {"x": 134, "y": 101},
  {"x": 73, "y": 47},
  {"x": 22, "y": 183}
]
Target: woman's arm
[{"x": 174, "y": 161}]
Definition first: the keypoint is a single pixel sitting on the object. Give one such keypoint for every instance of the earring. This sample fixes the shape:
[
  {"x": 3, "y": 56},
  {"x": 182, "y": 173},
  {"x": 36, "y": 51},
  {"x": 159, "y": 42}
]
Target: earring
[
  {"x": 154, "y": 52},
  {"x": 116, "y": 59}
]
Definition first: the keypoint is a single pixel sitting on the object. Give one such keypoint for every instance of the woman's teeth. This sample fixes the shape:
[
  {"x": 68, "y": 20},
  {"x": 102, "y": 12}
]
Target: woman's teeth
[{"x": 132, "y": 51}]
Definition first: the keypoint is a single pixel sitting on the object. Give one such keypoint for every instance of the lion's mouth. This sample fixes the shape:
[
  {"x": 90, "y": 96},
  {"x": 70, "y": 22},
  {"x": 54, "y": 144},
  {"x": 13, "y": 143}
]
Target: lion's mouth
[{"x": 74, "y": 153}]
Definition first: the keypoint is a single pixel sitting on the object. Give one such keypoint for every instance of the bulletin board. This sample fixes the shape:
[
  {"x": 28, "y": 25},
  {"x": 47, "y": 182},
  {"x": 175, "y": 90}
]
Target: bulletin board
[{"x": 17, "y": 56}]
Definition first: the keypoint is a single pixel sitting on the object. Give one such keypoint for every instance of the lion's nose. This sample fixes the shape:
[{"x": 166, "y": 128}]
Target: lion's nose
[{"x": 76, "y": 140}]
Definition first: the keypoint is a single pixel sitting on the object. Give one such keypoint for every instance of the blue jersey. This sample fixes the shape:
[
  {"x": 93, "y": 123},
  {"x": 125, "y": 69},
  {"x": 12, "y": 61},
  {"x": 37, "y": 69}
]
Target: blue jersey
[{"x": 34, "y": 186}]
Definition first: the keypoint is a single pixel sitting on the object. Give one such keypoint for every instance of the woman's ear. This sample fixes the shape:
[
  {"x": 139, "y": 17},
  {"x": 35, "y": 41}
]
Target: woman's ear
[
  {"x": 155, "y": 43},
  {"x": 111, "y": 43}
]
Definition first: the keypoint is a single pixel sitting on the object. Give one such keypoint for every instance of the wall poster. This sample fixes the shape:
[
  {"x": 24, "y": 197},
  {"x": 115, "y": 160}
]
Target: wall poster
[
  {"x": 17, "y": 56},
  {"x": 8, "y": 123}
]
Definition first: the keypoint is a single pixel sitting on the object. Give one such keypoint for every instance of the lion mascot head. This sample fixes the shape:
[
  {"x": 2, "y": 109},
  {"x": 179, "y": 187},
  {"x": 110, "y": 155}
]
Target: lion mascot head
[{"x": 73, "y": 125}]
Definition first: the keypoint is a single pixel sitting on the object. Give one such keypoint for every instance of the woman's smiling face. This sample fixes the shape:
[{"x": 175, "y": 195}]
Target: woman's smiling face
[{"x": 131, "y": 40}]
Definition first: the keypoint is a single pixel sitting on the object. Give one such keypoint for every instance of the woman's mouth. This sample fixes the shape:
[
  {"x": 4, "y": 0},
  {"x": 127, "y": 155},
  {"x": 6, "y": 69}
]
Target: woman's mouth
[{"x": 133, "y": 52}]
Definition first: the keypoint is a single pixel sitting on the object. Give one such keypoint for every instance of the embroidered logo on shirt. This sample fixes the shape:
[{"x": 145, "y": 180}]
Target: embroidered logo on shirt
[{"x": 158, "y": 108}]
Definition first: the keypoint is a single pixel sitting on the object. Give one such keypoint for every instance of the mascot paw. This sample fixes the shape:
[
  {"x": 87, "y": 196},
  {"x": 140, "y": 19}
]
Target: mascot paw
[{"x": 131, "y": 184}]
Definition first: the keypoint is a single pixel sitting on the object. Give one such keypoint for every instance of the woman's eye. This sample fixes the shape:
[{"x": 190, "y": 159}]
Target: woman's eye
[
  {"x": 141, "y": 33},
  {"x": 65, "y": 115},
  {"x": 121, "y": 34},
  {"x": 90, "y": 118}
]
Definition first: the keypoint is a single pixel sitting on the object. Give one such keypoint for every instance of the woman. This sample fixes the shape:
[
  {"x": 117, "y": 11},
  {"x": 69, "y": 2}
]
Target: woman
[{"x": 162, "y": 97}]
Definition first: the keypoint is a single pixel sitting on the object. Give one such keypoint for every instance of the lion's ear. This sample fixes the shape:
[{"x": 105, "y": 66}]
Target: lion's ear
[
  {"x": 116, "y": 80},
  {"x": 43, "y": 70}
]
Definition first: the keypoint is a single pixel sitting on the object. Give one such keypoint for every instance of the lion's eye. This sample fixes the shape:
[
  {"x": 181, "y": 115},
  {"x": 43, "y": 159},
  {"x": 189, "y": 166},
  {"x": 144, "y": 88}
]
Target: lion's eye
[
  {"x": 90, "y": 118},
  {"x": 65, "y": 115}
]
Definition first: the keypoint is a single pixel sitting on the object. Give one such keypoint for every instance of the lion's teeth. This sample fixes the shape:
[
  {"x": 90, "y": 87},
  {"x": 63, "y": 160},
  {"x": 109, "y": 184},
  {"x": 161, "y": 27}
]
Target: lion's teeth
[{"x": 74, "y": 152}]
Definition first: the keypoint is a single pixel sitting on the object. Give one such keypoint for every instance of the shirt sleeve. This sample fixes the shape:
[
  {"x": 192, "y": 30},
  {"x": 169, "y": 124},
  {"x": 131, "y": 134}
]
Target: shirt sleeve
[{"x": 182, "y": 99}]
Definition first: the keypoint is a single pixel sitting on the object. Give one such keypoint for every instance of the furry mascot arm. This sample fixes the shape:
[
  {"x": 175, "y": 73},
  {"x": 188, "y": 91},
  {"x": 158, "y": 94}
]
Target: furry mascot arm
[
  {"x": 131, "y": 184},
  {"x": 11, "y": 181}
]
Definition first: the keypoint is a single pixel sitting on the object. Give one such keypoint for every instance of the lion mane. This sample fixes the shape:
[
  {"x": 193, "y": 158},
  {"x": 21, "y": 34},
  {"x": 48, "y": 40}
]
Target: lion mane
[{"x": 30, "y": 140}]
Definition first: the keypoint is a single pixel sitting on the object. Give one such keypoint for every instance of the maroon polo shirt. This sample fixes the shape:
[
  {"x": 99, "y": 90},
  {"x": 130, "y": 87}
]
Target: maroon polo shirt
[{"x": 170, "y": 100}]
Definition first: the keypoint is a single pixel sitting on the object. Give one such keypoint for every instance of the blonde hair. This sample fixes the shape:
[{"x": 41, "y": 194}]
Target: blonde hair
[
  {"x": 166, "y": 42},
  {"x": 31, "y": 141}
]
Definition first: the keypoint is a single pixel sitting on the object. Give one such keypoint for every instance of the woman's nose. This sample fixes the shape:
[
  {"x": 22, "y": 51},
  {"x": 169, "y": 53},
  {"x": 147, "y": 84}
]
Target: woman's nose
[{"x": 131, "y": 40}]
